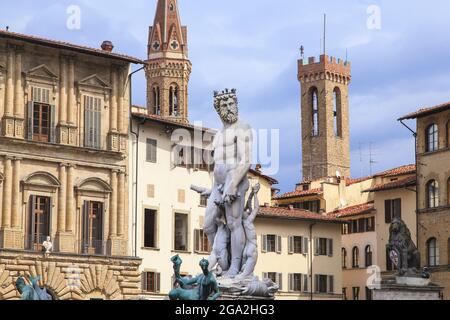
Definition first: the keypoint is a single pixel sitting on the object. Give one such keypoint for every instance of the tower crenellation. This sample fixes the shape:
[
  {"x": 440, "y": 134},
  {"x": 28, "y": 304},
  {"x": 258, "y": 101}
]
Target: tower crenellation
[{"x": 325, "y": 116}]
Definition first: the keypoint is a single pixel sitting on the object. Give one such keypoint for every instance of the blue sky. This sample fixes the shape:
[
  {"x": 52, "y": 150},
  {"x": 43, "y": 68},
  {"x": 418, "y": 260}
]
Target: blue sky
[{"x": 253, "y": 45}]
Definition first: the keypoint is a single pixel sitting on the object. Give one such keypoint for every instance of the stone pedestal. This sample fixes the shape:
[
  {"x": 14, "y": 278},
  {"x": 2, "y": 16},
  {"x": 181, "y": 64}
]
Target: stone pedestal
[
  {"x": 407, "y": 288},
  {"x": 249, "y": 288}
]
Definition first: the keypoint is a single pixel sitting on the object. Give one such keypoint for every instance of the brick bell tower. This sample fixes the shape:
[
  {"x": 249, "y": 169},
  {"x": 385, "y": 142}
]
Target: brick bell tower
[
  {"x": 325, "y": 117},
  {"x": 168, "y": 67}
]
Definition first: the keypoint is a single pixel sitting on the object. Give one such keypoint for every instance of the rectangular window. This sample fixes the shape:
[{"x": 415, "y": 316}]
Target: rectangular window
[
  {"x": 370, "y": 224},
  {"x": 92, "y": 122},
  {"x": 295, "y": 282},
  {"x": 345, "y": 229},
  {"x": 181, "y": 232},
  {"x": 201, "y": 242},
  {"x": 368, "y": 294},
  {"x": 41, "y": 122},
  {"x": 298, "y": 242},
  {"x": 324, "y": 247},
  {"x": 393, "y": 208},
  {"x": 271, "y": 243},
  {"x": 203, "y": 201},
  {"x": 40, "y": 221},
  {"x": 93, "y": 228},
  {"x": 354, "y": 226},
  {"x": 151, "y": 282},
  {"x": 305, "y": 283},
  {"x": 344, "y": 293},
  {"x": 362, "y": 225},
  {"x": 151, "y": 150},
  {"x": 321, "y": 284},
  {"x": 355, "y": 293},
  {"x": 150, "y": 228}
]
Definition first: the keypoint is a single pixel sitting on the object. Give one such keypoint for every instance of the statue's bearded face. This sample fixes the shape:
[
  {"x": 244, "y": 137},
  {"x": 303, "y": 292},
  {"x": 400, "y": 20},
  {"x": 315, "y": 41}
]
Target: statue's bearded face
[{"x": 228, "y": 110}]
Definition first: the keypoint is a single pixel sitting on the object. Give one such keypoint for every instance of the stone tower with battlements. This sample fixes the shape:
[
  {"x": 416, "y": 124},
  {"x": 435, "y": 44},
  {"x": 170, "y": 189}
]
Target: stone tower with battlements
[
  {"x": 168, "y": 67},
  {"x": 325, "y": 117}
]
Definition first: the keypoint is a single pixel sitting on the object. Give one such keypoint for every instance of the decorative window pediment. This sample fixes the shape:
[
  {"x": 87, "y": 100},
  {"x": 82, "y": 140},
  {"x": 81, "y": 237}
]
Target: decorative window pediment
[
  {"x": 42, "y": 72},
  {"x": 41, "y": 180},
  {"x": 94, "y": 81},
  {"x": 93, "y": 185}
]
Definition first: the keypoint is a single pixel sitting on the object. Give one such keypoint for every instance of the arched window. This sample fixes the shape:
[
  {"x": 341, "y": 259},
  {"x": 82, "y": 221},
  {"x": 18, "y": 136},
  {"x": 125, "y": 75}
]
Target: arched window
[
  {"x": 432, "y": 138},
  {"x": 432, "y": 253},
  {"x": 432, "y": 194},
  {"x": 337, "y": 112},
  {"x": 156, "y": 100},
  {"x": 315, "y": 112},
  {"x": 174, "y": 101},
  {"x": 368, "y": 257},
  {"x": 344, "y": 258},
  {"x": 355, "y": 257}
]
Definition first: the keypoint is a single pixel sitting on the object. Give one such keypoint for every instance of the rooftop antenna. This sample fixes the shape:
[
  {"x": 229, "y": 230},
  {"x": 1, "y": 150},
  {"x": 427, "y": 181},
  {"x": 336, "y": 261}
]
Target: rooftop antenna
[
  {"x": 371, "y": 161},
  {"x": 324, "y": 33},
  {"x": 346, "y": 54},
  {"x": 361, "y": 159},
  {"x": 302, "y": 51},
  {"x": 7, "y": 28}
]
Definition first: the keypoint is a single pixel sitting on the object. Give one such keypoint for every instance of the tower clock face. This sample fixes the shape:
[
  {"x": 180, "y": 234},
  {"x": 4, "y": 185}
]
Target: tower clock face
[{"x": 156, "y": 45}]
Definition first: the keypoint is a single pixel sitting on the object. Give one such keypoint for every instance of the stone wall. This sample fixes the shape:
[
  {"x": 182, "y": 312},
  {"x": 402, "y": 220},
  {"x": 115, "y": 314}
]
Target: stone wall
[{"x": 71, "y": 277}]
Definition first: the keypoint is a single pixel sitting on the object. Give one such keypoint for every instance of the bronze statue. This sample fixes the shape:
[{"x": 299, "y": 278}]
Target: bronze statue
[
  {"x": 33, "y": 291},
  {"x": 202, "y": 287},
  {"x": 402, "y": 250}
]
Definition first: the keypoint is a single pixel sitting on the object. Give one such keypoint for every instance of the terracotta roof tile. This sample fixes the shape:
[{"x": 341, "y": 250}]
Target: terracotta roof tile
[
  {"x": 426, "y": 111},
  {"x": 294, "y": 214},
  {"x": 350, "y": 181},
  {"x": 353, "y": 210},
  {"x": 300, "y": 193},
  {"x": 67, "y": 45},
  {"x": 411, "y": 168},
  {"x": 261, "y": 175},
  {"x": 164, "y": 120},
  {"x": 402, "y": 183}
]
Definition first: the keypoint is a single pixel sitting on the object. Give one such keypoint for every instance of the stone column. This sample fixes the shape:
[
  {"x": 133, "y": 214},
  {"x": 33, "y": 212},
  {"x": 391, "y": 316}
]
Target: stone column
[
  {"x": 63, "y": 93},
  {"x": 121, "y": 204},
  {"x": 18, "y": 93},
  {"x": 16, "y": 203},
  {"x": 7, "y": 189},
  {"x": 71, "y": 97},
  {"x": 120, "y": 92},
  {"x": 62, "y": 199},
  {"x": 9, "y": 83},
  {"x": 113, "y": 206},
  {"x": 69, "y": 197},
  {"x": 113, "y": 115}
]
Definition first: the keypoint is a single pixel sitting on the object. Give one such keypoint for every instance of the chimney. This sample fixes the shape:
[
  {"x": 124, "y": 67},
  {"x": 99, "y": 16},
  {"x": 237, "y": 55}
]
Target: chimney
[
  {"x": 258, "y": 168},
  {"x": 107, "y": 46}
]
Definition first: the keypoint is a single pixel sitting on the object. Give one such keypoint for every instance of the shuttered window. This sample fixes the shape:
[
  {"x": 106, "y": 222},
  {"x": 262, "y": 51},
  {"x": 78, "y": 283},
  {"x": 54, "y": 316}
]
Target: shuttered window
[
  {"x": 295, "y": 282},
  {"x": 92, "y": 122},
  {"x": 324, "y": 283},
  {"x": 151, "y": 150},
  {"x": 201, "y": 242},
  {"x": 393, "y": 208},
  {"x": 295, "y": 245},
  {"x": 151, "y": 282},
  {"x": 323, "y": 247}
]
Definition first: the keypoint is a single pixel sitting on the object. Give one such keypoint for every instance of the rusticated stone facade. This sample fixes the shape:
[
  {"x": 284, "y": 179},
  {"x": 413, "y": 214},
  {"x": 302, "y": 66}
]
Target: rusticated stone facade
[
  {"x": 325, "y": 117},
  {"x": 68, "y": 277}
]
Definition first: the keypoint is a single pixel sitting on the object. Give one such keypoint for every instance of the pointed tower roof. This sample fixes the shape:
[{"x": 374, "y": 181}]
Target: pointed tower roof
[{"x": 167, "y": 35}]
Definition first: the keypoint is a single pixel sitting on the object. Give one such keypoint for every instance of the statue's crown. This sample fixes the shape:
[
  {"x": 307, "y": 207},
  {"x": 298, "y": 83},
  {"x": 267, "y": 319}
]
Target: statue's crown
[{"x": 224, "y": 95}]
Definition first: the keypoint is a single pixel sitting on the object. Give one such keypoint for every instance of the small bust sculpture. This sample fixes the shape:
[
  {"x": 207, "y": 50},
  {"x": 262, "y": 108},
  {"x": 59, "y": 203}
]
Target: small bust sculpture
[{"x": 48, "y": 245}]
